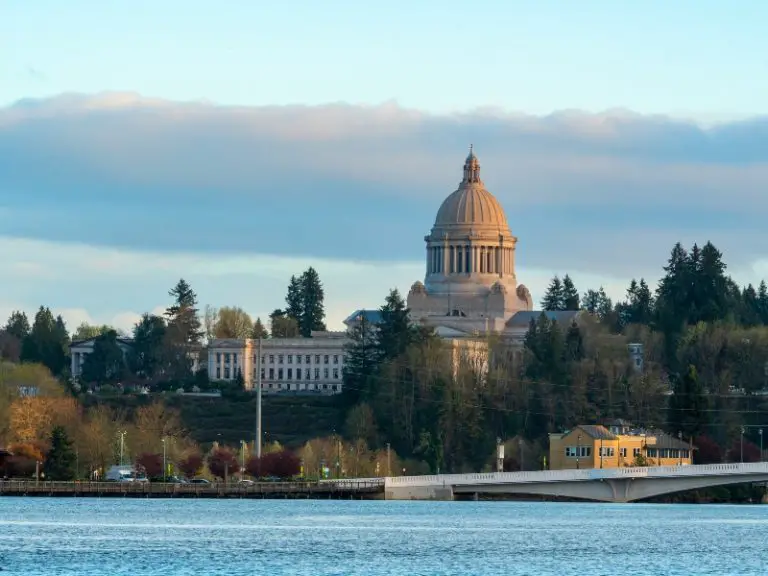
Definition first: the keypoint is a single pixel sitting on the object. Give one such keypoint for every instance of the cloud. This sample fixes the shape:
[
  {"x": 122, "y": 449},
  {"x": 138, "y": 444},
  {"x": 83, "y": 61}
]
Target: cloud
[{"x": 144, "y": 190}]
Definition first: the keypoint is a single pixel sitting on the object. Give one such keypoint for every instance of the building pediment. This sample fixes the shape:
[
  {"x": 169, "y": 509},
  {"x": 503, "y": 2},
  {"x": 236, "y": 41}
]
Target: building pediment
[{"x": 448, "y": 332}]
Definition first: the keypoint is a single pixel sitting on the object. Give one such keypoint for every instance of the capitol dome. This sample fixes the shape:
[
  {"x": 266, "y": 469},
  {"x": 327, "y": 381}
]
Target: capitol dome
[{"x": 471, "y": 206}]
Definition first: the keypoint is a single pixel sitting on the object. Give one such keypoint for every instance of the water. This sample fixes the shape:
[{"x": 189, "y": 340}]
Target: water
[{"x": 115, "y": 537}]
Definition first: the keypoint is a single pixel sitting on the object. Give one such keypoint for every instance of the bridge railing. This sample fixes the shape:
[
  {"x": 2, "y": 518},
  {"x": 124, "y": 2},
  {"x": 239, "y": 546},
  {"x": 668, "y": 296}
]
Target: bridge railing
[{"x": 580, "y": 475}]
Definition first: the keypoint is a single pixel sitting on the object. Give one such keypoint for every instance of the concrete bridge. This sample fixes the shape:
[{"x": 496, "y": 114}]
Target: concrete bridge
[{"x": 603, "y": 485}]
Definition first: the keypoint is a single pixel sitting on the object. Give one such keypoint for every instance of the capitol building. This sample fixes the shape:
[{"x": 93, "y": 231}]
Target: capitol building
[
  {"x": 470, "y": 287},
  {"x": 470, "y": 291}
]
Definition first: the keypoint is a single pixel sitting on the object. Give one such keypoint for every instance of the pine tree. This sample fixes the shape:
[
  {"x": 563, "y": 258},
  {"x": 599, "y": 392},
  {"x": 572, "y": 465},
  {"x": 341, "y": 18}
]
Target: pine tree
[
  {"x": 239, "y": 380},
  {"x": 688, "y": 404},
  {"x": 574, "y": 343},
  {"x": 709, "y": 285},
  {"x": 106, "y": 363},
  {"x": 554, "y": 299},
  {"x": 17, "y": 325},
  {"x": 750, "y": 307},
  {"x": 60, "y": 462},
  {"x": 570, "y": 295},
  {"x": 147, "y": 356},
  {"x": 362, "y": 360},
  {"x": 395, "y": 332},
  {"x": 47, "y": 342},
  {"x": 259, "y": 331},
  {"x": 673, "y": 296},
  {"x": 312, "y": 308},
  {"x": 295, "y": 299},
  {"x": 762, "y": 301},
  {"x": 183, "y": 316}
]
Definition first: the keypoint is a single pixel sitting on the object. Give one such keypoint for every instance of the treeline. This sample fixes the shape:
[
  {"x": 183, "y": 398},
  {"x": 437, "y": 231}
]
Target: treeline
[{"x": 702, "y": 372}]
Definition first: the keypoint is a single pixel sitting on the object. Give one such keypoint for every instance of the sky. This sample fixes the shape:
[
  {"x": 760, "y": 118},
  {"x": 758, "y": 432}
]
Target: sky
[{"x": 236, "y": 143}]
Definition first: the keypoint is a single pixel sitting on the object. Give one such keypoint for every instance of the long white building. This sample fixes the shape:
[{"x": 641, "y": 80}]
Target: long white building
[{"x": 313, "y": 364}]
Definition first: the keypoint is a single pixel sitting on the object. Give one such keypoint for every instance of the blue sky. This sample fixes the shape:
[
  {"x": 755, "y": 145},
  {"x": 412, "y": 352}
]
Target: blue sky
[{"x": 235, "y": 143}]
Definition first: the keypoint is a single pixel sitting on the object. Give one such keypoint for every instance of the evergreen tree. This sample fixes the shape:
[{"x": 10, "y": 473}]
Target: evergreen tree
[
  {"x": 258, "y": 330},
  {"x": 17, "y": 325},
  {"x": 750, "y": 307},
  {"x": 688, "y": 404},
  {"x": 762, "y": 302},
  {"x": 182, "y": 315},
  {"x": 362, "y": 360},
  {"x": 295, "y": 299},
  {"x": 106, "y": 363},
  {"x": 60, "y": 462},
  {"x": 239, "y": 380},
  {"x": 312, "y": 307},
  {"x": 574, "y": 343},
  {"x": 282, "y": 326},
  {"x": 554, "y": 298},
  {"x": 638, "y": 307},
  {"x": 147, "y": 357},
  {"x": 570, "y": 295},
  {"x": 47, "y": 342},
  {"x": 673, "y": 296},
  {"x": 395, "y": 332},
  {"x": 709, "y": 285}
]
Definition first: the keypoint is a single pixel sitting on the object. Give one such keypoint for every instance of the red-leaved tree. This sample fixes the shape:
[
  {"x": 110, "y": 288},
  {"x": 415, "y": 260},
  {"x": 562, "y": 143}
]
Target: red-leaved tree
[
  {"x": 253, "y": 467},
  {"x": 751, "y": 451},
  {"x": 150, "y": 464},
  {"x": 223, "y": 461},
  {"x": 283, "y": 464},
  {"x": 191, "y": 465},
  {"x": 707, "y": 451}
]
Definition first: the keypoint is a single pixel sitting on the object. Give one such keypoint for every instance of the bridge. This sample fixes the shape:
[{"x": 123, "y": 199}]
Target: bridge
[{"x": 602, "y": 485}]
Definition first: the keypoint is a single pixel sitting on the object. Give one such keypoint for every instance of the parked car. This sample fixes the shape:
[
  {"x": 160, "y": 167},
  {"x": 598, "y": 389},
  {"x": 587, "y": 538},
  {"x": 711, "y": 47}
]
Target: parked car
[
  {"x": 246, "y": 482},
  {"x": 199, "y": 481}
]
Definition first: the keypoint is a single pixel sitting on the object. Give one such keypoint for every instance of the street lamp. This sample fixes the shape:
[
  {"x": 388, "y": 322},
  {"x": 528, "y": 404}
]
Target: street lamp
[
  {"x": 761, "y": 443},
  {"x": 165, "y": 467},
  {"x": 122, "y": 445},
  {"x": 741, "y": 444},
  {"x": 578, "y": 451},
  {"x": 680, "y": 450},
  {"x": 242, "y": 458}
]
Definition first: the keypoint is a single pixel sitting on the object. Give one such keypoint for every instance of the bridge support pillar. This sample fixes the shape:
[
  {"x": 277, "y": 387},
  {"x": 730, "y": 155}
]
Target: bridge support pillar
[{"x": 419, "y": 493}]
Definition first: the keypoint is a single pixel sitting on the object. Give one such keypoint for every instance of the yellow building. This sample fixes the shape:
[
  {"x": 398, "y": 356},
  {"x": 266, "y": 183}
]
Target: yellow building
[{"x": 595, "y": 446}]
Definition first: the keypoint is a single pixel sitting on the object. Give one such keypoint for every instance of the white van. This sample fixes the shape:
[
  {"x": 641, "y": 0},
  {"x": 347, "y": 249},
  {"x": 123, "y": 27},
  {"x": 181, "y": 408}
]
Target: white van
[{"x": 123, "y": 474}]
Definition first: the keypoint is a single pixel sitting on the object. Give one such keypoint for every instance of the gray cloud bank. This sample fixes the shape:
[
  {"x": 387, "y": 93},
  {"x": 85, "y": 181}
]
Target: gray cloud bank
[{"x": 605, "y": 193}]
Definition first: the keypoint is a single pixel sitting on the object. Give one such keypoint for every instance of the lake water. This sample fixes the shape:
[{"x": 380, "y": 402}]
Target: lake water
[{"x": 115, "y": 537}]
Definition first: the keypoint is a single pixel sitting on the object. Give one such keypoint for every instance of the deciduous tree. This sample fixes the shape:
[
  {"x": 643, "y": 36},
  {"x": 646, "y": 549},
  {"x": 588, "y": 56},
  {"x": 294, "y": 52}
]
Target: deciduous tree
[{"x": 222, "y": 462}]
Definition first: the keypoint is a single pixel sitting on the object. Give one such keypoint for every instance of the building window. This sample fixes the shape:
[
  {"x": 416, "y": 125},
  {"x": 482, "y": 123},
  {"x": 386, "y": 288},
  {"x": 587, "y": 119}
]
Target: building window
[
  {"x": 290, "y": 373},
  {"x": 623, "y": 452},
  {"x": 226, "y": 373},
  {"x": 271, "y": 358},
  {"x": 325, "y": 373},
  {"x": 306, "y": 374},
  {"x": 262, "y": 374},
  {"x": 280, "y": 374},
  {"x": 317, "y": 358},
  {"x": 325, "y": 359},
  {"x": 271, "y": 373},
  {"x": 307, "y": 359},
  {"x": 218, "y": 357},
  {"x": 298, "y": 358},
  {"x": 298, "y": 373},
  {"x": 335, "y": 373},
  {"x": 226, "y": 358},
  {"x": 262, "y": 360},
  {"x": 335, "y": 358},
  {"x": 290, "y": 358},
  {"x": 607, "y": 452},
  {"x": 333, "y": 387},
  {"x": 218, "y": 373},
  {"x": 317, "y": 373},
  {"x": 635, "y": 452},
  {"x": 578, "y": 451},
  {"x": 279, "y": 358}
]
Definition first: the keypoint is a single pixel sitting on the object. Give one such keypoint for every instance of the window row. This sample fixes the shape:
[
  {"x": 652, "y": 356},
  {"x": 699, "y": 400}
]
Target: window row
[
  {"x": 281, "y": 358},
  {"x": 291, "y": 374},
  {"x": 227, "y": 356},
  {"x": 301, "y": 387},
  {"x": 667, "y": 453}
]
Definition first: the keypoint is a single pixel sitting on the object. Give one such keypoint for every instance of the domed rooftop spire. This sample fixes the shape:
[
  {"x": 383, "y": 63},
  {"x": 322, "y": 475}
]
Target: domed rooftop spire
[{"x": 471, "y": 169}]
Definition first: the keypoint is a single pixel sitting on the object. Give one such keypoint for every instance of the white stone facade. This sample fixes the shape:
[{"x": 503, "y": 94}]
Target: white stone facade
[
  {"x": 79, "y": 349},
  {"x": 470, "y": 287},
  {"x": 299, "y": 365}
]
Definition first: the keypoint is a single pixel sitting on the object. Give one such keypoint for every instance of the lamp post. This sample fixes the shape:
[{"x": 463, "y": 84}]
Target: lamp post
[
  {"x": 165, "y": 466},
  {"x": 258, "y": 402},
  {"x": 122, "y": 445},
  {"x": 578, "y": 451},
  {"x": 389, "y": 461},
  {"x": 741, "y": 444},
  {"x": 680, "y": 450},
  {"x": 242, "y": 458},
  {"x": 761, "y": 443}
]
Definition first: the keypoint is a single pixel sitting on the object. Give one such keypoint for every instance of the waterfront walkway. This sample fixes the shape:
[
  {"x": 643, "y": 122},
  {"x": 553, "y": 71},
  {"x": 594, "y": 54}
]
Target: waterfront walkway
[{"x": 345, "y": 489}]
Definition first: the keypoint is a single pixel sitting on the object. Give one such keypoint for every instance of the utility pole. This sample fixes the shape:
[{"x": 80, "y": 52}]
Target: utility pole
[
  {"x": 761, "y": 443},
  {"x": 122, "y": 437},
  {"x": 258, "y": 403},
  {"x": 741, "y": 444}
]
